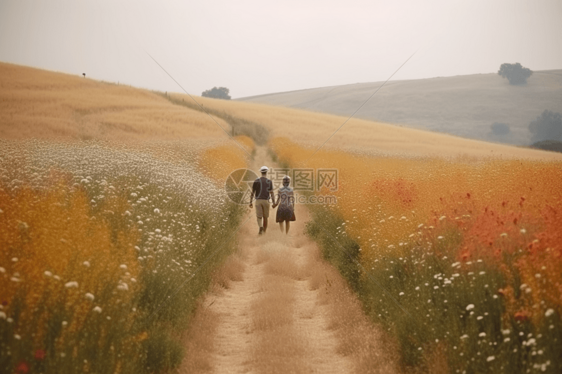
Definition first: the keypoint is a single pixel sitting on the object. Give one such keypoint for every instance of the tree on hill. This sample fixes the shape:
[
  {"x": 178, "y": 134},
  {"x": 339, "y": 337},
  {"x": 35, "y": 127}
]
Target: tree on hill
[
  {"x": 217, "y": 93},
  {"x": 515, "y": 73},
  {"x": 547, "y": 126}
]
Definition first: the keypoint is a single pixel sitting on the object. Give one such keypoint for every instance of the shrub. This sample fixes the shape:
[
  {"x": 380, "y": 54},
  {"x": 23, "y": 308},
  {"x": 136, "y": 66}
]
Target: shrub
[
  {"x": 549, "y": 145},
  {"x": 547, "y": 126}
]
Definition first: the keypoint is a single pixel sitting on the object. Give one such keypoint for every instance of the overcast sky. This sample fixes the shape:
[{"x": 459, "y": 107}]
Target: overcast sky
[{"x": 256, "y": 46}]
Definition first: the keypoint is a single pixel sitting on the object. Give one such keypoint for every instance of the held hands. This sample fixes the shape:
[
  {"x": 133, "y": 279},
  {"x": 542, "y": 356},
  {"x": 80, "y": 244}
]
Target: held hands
[
  {"x": 251, "y": 205},
  {"x": 274, "y": 206}
]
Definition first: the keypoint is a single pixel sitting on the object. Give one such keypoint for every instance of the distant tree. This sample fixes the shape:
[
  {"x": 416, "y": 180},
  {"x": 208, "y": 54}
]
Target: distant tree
[
  {"x": 515, "y": 73},
  {"x": 549, "y": 145},
  {"x": 499, "y": 128},
  {"x": 547, "y": 126},
  {"x": 217, "y": 93}
]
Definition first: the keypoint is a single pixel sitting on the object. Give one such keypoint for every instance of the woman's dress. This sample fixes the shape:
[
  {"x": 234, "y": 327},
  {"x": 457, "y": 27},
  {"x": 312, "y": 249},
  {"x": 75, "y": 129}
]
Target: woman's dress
[{"x": 286, "y": 209}]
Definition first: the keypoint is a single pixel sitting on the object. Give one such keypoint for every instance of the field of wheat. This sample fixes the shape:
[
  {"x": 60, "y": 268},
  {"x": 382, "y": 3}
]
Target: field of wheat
[{"x": 460, "y": 259}]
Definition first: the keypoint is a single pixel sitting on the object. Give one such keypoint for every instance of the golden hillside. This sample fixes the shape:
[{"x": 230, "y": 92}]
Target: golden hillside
[
  {"x": 363, "y": 136},
  {"x": 42, "y": 104}
]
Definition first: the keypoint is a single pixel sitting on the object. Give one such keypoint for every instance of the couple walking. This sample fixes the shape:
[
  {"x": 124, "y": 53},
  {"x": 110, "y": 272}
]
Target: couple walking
[{"x": 262, "y": 189}]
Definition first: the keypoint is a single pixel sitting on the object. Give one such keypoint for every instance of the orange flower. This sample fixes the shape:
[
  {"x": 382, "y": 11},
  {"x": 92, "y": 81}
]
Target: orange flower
[{"x": 522, "y": 316}]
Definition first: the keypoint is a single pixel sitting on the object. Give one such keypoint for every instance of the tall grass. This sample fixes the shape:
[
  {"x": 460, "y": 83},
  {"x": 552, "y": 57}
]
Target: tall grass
[
  {"x": 460, "y": 260},
  {"x": 104, "y": 254}
]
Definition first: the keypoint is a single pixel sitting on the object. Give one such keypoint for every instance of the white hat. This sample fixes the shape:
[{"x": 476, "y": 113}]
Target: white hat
[{"x": 264, "y": 169}]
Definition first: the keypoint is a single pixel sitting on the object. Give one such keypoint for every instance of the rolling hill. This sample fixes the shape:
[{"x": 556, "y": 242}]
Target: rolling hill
[{"x": 463, "y": 105}]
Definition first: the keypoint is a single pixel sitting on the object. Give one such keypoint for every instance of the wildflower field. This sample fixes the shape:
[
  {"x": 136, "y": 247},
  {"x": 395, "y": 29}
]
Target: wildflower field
[
  {"x": 106, "y": 249},
  {"x": 460, "y": 258}
]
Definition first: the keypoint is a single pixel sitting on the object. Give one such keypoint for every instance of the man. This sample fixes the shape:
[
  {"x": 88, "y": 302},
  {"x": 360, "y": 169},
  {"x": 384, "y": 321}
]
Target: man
[{"x": 263, "y": 190}]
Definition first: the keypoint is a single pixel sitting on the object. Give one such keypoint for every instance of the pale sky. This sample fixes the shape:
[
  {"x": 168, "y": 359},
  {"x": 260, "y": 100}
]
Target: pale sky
[{"x": 257, "y": 47}]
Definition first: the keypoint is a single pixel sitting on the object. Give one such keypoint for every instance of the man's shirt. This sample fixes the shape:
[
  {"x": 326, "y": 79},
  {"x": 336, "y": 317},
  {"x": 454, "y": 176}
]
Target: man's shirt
[{"x": 261, "y": 188}]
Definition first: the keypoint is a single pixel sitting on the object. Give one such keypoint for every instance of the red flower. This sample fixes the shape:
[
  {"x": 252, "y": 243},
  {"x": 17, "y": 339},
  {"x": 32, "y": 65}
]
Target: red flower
[
  {"x": 39, "y": 354},
  {"x": 522, "y": 316},
  {"x": 22, "y": 368}
]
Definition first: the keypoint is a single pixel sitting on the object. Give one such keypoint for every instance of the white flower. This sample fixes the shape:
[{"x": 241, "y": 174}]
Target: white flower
[
  {"x": 157, "y": 211},
  {"x": 401, "y": 293},
  {"x": 16, "y": 336},
  {"x": 470, "y": 307},
  {"x": 2, "y": 315},
  {"x": 89, "y": 296},
  {"x": 97, "y": 309},
  {"x": 523, "y": 231},
  {"x": 504, "y": 235},
  {"x": 482, "y": 334},
  {"x": 549, "y": 312},
  {"x": 464, "y": 337},
  {"x": 48, "y": 273},
  {"x": 123, "y": 266},
  {"x": 490, "y": 358},
  {"x": 442, "y": 218},
  {"x": 479, "y": 318},
  {"x": 71, "y": 284},
  {"x": 506, "y": 332},
  {"x": 123, "y": 287},
  {"x": 440, "y": 237},
  {"x": 2, "y": 270},
  {"x": 86, "y": 264}
]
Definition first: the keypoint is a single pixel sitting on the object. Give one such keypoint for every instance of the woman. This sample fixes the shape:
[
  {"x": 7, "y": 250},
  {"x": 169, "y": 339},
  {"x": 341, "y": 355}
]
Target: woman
[{"x": 286, "y": 202}]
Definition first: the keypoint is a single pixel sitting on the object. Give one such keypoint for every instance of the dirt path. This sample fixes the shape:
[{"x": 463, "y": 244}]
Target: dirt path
[{"x": 278, "y": 308}]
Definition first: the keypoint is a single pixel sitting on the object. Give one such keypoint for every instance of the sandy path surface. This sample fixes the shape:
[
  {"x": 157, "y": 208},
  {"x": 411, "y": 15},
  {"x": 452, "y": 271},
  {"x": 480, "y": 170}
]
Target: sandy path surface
[{"x": 277, "y": 307}]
